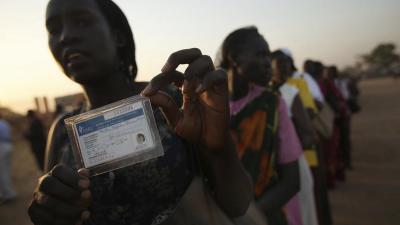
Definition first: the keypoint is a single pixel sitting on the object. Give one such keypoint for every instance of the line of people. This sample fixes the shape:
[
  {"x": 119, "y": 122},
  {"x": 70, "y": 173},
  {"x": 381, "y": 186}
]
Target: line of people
[
  {"x": 246, "y": 143},
  {"x": 7, "y": 191},
  {"x": 35, "y": 133}
]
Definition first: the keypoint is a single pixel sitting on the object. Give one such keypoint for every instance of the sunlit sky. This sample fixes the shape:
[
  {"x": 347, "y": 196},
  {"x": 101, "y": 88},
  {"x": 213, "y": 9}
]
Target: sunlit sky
[{"x": 335, "y": 32}]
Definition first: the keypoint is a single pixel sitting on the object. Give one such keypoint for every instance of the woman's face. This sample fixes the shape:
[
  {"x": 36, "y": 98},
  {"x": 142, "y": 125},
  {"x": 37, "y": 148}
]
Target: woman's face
[
  {"x": 253, "y": 63},
  {"x": 81, "y": 40},
  {"x": 281, "y": 69}
]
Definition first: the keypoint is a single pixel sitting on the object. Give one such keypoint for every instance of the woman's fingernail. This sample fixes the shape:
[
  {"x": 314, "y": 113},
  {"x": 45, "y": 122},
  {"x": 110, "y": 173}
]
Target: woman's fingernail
[
  {"x": 147, "y": 90},
  {"x": 84, "y": 184},
  {"x": 86, "y": 194},
  {"x": 85, "y": 215},
  {"x": 42, "y": 199},
  {"x": 84, "y": 172}
]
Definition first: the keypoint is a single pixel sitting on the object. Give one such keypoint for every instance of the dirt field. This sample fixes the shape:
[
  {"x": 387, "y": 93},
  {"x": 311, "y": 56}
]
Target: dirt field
[
  {"x": 25, "y": 174},
  {"x": 370, "y": 196}
]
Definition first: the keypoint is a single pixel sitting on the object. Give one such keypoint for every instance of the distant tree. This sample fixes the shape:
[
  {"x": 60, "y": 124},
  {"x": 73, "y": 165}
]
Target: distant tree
[{"x": 382, "y": 57}]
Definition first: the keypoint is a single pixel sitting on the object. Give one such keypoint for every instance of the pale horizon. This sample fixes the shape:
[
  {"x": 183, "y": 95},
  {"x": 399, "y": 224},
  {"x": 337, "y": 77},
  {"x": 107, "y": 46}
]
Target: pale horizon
[{"x": 335, "y": 32}]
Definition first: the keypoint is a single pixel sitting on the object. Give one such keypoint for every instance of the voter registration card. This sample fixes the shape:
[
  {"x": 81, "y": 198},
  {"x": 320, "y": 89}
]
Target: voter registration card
[{"x": 115, "y": 136}]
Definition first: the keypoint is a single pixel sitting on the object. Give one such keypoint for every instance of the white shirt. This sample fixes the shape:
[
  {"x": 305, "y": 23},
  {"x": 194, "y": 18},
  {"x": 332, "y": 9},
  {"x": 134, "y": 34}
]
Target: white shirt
[
  {"x": 288, "y": 93},
  {"x": 342, "y": 85}
]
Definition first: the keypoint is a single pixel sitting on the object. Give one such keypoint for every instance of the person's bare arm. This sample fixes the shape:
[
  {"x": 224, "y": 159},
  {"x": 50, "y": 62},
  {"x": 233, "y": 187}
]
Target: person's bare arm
[
  {"x": 302, "y": 124},
  {"x": 288, "y": 185},
  {"x": 231, "y": 184}
]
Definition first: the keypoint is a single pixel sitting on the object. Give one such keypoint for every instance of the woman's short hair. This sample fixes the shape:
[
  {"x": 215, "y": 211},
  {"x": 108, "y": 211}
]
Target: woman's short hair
[{"x": 233, "y": 45}]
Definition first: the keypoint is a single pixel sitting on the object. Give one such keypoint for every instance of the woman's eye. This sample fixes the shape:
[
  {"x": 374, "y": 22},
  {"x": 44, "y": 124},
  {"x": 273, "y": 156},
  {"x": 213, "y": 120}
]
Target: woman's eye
[
  {"x": 261, "y": 54},
  {"x": 54, "y": 29},
  {"x": 82, "y": 21}
]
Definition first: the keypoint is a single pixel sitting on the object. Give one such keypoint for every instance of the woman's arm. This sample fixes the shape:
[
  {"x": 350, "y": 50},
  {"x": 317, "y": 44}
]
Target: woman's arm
[
  {"x": 204, "y": 121},
  {"x": 288, "y": 169},
  {"x": 287, "y": 186},
  {"x": 230, "y": 182},
  {"x": 302, "y": 124}
]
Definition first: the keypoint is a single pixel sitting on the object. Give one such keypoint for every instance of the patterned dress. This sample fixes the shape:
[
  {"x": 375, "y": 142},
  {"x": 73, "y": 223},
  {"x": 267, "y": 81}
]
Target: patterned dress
[
  {"x": 254, "y": 132},
  {"x": 338, "y": 146}
]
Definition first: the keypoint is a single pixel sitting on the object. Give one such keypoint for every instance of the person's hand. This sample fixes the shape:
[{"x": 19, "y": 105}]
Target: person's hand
[
  {"x": 61, "y": 198},
  {"x": 204, "y": 117}
]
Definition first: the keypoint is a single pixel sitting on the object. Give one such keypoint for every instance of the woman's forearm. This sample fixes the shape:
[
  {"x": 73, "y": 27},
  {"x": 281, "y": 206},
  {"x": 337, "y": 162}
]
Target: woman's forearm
[
  {"x": 302, "y": 124},
  {"x": 232, "y": 186},
  {"x": 288, "y": 185}
]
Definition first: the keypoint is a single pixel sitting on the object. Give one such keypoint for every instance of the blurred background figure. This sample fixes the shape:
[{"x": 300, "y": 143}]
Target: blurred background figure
[
  {"x": 282, "y": 66},
  {"x": 323, "y": 125},
  {"x": 36, "y": 136},
  {"x": 308, "y": 71},
  {"x": 343, "y": 120},
  {"x": 259, "y": 121},
  {"x": 7, "y": 192},
  {"x": 354, "y": 92}
]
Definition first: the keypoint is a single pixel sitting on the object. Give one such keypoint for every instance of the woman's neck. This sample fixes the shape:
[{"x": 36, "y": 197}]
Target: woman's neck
[
  {"x": 240, "y": 92},
  {"x": 110, "y": 90},
  {"x": 239, "y": 87}
]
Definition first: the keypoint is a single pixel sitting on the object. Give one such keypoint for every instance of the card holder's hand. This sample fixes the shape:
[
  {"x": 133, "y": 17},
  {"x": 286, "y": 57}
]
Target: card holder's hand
[
  {"x": 62, "y": 197},
  {"x": 204, "y": 117}
]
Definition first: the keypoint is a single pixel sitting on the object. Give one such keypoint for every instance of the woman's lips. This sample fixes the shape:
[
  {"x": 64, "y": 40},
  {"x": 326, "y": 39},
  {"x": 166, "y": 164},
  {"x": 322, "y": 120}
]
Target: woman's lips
[{"x": 75, "y": 60}]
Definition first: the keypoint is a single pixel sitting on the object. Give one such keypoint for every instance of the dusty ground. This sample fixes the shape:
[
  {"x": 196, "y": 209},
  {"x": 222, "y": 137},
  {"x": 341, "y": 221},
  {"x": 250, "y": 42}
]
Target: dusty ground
[
  {"x": 25, "y": 174},
  {"x": 370, "y": 196}
]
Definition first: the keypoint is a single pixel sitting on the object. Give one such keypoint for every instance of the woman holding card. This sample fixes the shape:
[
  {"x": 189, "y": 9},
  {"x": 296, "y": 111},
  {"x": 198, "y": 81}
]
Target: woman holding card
[{"x": 92, "y": 42}]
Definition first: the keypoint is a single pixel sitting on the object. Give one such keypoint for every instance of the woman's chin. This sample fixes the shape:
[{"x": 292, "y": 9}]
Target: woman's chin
[{"x": 82, "y": 77}]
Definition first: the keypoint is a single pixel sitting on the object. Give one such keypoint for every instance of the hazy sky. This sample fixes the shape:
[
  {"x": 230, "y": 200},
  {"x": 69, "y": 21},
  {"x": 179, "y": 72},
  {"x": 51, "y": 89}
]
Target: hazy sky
[{"x": 332, "y": 31}]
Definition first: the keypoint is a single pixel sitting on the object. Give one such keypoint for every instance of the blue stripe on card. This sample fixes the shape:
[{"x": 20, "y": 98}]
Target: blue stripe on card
[{"x": 98, "y": 123}]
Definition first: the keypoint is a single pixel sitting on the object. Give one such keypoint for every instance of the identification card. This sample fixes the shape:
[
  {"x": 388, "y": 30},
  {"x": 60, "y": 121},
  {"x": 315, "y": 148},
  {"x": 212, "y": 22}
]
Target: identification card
[{"x": 115, "y": 136}]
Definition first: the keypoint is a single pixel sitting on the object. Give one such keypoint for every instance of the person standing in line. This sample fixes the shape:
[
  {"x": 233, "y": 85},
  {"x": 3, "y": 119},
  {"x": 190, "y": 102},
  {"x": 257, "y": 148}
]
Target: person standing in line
[
  {"x": 264, "y": 136},
  {"x": 343, "y": 120},
  {"x": 282, "y": 70},
  {"x": 315, "y": 69},
  {"x": 36, "y": 137},
  {"x": 7, "y": 192},
  {"x": 308, "y": 71},
  {"x": 333, "y": 98}
]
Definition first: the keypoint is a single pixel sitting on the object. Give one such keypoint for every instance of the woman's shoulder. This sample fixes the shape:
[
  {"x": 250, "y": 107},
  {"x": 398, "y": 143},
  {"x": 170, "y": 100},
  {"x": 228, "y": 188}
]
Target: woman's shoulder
[
  {"x": 268, "y": 101},
  {"x": 56, "y": 137},
  {"x": 289, "y": 89},
  {"x": 269, "y": 96}
]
